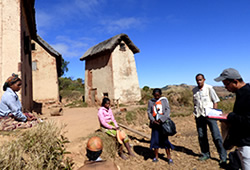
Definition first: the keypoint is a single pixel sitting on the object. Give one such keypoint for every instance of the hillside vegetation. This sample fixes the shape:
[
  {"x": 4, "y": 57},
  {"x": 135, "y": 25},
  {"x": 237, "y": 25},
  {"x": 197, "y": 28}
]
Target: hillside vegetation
[
  {"x": 180, "y": 98},
  {"x": 72, "y": 92}
]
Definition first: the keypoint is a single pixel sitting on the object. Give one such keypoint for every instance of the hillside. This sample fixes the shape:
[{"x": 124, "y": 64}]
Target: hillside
[{"x": 220, "y": 90}]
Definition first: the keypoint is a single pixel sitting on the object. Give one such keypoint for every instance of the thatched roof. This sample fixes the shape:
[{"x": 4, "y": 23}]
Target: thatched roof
[{"x": 108, "y": 46}]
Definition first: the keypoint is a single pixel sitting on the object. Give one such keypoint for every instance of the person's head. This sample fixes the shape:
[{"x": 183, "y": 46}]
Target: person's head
[
  {"x": 200, "y": 79},
  {"x": 105, "y": 102},
  {"x": 157, "y": 93},
  {"x": 231, "y": 79},
  {"x": 94, "y": 148},
  {"x": 13, "y": 82}
]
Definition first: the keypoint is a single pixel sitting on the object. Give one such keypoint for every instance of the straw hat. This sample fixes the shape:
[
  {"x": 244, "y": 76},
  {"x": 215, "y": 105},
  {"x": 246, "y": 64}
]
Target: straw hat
[
  {"x": 120, "y": 136},
  {"x": 94, "y": 144}
]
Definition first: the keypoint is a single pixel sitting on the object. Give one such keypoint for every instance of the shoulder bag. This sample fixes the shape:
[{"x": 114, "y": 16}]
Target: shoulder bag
[{"x": 168, "y": 127}]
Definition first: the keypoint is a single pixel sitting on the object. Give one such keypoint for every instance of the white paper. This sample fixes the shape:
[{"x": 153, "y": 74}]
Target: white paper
[{"x": 213, "y": 112}]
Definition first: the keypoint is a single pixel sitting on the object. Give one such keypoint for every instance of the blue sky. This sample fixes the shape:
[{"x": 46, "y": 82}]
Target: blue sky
[{"x": 177, "y": 38}]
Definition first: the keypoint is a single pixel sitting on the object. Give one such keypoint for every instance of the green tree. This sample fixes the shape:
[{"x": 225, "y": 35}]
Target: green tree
[
  {"x": 145, "y": 88},
  {"x": 64, "y": 67}
]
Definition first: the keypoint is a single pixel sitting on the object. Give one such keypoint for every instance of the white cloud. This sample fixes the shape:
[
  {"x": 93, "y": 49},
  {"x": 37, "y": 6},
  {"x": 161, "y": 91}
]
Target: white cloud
[
  {"x": 70, "y": 48},
  {"x": 88, "y": 6},
  {"x": 43, "y": 19},
  {"x": 60, "y": 13},
  {"x": 118, "y": 25}
]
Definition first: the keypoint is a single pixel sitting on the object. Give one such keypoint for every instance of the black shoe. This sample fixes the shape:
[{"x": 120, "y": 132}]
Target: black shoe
[{"x": 223, "y": 163}]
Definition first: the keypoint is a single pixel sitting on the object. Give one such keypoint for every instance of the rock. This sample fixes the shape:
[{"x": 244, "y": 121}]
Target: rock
[
  {"x": 123, "y": 109},
  {"x": 56, "y": 112},
  {"x": 144, "y": 126},
  {"x": 118, "y": 113}
]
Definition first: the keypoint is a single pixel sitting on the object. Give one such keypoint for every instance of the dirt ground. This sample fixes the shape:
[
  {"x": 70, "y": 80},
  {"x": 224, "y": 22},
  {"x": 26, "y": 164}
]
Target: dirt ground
[{"x": 83, "y": 121}]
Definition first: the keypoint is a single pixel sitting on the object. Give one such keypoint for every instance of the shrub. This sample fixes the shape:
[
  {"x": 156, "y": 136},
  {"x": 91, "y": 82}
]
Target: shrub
[
  {"x": 136, "y": 116},
  {"x": 182, "y": 97},
  {"x": 145, "y": 96},
  {"x": 226, "y": 105},
  {"x": 146, "y": 88},
  {"x": 71, "y": 89},
  {"x": 42, "y": 147},
  {"x": 130, "y": 116}
]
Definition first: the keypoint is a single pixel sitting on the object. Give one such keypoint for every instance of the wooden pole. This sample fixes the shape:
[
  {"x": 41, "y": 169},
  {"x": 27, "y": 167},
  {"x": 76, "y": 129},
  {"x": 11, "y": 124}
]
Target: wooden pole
[{"x": 135, "y": 131}]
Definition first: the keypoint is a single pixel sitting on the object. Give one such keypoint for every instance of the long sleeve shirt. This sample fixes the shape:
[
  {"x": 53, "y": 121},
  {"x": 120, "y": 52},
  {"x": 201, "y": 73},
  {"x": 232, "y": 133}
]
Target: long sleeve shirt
[
  {"x": 240, "y": 118},
  {"x": 164, "y": 109},
  {"x": 10, "y": 103},
  {"x": 105, "y": 116}
]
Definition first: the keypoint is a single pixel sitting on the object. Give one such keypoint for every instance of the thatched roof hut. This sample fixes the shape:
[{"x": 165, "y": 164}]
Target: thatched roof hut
[
  {"x": 108, "y": 46},
  {"x": 110, "y": 71}
]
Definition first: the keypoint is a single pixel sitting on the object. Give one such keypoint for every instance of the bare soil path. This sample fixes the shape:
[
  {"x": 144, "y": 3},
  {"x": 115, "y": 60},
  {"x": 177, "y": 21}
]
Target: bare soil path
[
  {"x": 80, "y": 122},
  {"x": 83, "y": 121}
]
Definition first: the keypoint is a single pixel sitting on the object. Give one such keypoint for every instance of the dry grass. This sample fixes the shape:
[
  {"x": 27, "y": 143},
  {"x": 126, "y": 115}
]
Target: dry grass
[
  {"x": 41, "y": 147},
  {"x": 226, "y": 105}
]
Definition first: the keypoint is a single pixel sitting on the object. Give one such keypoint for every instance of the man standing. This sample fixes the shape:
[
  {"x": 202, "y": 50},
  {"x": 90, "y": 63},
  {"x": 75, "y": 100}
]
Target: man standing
[
  {"x": 204, "y": 97},
  {"x": 239, "y": 119}
]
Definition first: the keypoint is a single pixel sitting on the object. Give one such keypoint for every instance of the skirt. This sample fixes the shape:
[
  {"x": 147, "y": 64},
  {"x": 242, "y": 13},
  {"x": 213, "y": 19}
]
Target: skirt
[
  {"x": 158, "y": 140},
  {"x": 113, "y": 132},
  {"x": 9, "y": 124}
]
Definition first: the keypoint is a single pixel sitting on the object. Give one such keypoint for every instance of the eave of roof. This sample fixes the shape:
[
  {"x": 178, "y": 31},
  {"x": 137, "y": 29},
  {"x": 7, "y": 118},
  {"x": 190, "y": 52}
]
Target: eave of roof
[{"x": 108, "y": 46}]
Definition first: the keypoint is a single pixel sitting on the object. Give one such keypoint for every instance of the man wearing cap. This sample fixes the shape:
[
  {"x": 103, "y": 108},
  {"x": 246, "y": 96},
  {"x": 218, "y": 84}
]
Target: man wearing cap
[
  {"x": 94, "y": 150},
  {"x": 204, "y": 97},
  {"x": 239, "y": 119}
]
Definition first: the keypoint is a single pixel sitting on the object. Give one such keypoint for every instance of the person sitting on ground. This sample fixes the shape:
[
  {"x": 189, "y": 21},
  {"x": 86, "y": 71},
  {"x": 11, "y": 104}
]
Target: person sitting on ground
[
  {"x": 10, "y": 105},
  {"x": 110, "y": 126},
  {"x": 94, "y": 151}
]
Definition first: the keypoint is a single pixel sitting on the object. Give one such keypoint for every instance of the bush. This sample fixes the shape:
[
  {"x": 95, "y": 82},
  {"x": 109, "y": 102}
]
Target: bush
[
  {"x": 42, "y": 147},
  {"x": 71, "y": 89},
  {"x": 226, "y": 105},
  {"x": 179, "y": 97},
  {"x": 136, "y": 116},
  {"x": 145, "y": 96}
]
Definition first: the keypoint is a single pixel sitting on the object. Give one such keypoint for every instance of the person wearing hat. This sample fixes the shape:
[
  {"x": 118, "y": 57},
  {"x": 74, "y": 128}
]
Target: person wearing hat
[
  {"x": 94, "y": 151},
  {"x": 204, "y": 97},
  {"x": 110, "y": 126},
  {"x": 10, "y": 105},
  {"x": 239, "y": 119}
]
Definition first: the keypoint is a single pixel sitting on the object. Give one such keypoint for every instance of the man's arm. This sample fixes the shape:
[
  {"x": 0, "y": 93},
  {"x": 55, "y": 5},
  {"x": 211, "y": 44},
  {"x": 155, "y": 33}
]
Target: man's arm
[
  {"x": 215, "y": 99},
  {"x": 215, "y": 105}
]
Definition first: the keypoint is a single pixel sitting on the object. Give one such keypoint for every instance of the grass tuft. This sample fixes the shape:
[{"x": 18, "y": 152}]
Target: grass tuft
[{"x": 42, "y": 147}]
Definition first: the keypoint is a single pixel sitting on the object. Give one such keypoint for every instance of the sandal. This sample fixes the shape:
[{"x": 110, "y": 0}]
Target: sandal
[
  {"x": 155, "y": 160},
  {"x": 170, "y": 161}
]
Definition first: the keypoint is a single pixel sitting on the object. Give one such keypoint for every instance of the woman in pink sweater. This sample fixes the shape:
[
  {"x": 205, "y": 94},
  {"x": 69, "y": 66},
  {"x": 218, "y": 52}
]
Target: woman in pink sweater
[{"x": 110, "y": 126}]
